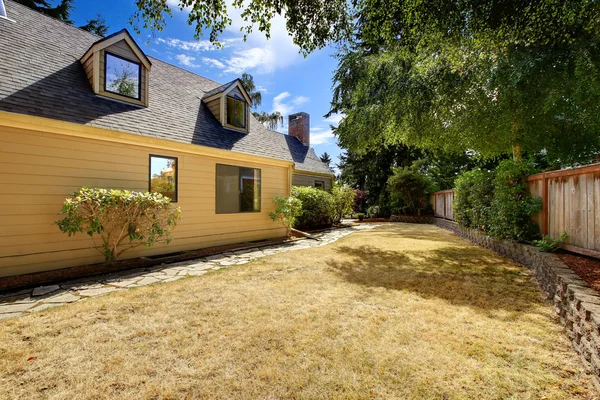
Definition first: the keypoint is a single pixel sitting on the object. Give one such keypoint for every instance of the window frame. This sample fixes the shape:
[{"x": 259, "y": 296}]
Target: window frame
[
  {"x": 176, "y": 174},
  {"x": 236, "y": 98},
  {"x": 322, "y": 182},
  {"x": 139, "y": 65},
  {"x": 240, "y": 193}
]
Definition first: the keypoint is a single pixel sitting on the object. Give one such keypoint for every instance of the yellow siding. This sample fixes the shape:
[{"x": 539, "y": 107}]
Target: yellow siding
[
  {"x": 41, "y": 169},
  {"x": 215, "y": 107}
]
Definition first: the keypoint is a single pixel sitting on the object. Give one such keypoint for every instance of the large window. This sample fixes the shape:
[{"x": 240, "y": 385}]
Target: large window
[
  {"x": 236, "y": 112},
  {"x": 122, "y": 76},
  {"x": 163, "y": 176},
  {"x": 238, "y": 189}
]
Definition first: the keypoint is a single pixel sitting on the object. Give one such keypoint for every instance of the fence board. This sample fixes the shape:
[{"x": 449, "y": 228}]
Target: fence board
[{"x": 571, "y": 200}]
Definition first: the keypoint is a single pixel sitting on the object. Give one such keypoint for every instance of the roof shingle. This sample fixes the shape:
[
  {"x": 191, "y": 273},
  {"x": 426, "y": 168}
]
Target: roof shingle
[{"x": 42, "y": 76}]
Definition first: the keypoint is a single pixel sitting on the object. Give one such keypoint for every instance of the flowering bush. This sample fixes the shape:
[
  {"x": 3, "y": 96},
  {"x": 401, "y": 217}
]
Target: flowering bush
[{"x": 121, "y": 218}]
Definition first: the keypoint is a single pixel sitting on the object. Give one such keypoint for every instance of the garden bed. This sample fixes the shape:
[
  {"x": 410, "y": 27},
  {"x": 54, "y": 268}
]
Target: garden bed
[
  {"x": 60, "y": 275},
  {"x": 587, "y": 268}
]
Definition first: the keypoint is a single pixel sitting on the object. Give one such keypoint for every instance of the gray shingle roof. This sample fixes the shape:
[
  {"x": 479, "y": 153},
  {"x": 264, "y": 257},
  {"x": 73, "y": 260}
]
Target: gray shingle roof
[{"x": 40, "y": 75}]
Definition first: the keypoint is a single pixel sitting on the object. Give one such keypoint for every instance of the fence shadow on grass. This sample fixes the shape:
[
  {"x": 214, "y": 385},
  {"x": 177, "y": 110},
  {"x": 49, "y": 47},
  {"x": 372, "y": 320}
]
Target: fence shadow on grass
[{"x": 461, "y": 275}]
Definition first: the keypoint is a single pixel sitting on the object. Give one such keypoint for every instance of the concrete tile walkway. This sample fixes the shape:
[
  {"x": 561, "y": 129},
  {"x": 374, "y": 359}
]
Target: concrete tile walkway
[{"x": 17, "y": 303}]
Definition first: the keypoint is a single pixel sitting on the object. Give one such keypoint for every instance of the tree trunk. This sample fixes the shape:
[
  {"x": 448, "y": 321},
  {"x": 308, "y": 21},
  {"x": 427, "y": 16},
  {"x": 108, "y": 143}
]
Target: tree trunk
[{"x": 517, "y": 156}]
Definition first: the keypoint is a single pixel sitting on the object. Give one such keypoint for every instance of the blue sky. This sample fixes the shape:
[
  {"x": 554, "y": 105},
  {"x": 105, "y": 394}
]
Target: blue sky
[{"x": 289, "y": 82}]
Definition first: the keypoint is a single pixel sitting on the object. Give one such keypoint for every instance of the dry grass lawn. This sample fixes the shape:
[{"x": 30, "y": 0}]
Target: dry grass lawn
[{"x": 403, "y": 311}]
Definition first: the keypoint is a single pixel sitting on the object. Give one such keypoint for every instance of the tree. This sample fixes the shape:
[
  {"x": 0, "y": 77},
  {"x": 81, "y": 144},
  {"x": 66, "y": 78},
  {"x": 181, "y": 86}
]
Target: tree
[
  {"x": 96, "y": 26},
  {"x": 62, "y": 11},
  {"x": 490, "y": 76},
  {"x": 270, "y": 120},
  {"x": 326, "y": 159},
  {"x": 124, "y": 81},
  {"x": 311, "y": 23},
  {"x": 248, "y": 84}
]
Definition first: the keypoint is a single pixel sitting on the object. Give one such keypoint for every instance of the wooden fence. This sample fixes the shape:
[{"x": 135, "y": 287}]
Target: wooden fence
[
  {"x": 571, "y": 203},
  {"x": 442, "y": 204}
]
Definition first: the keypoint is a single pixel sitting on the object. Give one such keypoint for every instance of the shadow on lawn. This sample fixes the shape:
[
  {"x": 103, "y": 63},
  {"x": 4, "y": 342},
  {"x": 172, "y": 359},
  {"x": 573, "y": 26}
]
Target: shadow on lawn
[{"x": 461, "y": 275}]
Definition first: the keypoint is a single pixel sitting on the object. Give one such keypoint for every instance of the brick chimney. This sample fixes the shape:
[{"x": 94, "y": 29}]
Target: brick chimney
[{"x": 299, "y": 126}]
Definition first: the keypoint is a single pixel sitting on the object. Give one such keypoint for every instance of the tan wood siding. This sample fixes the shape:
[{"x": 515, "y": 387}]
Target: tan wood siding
[
  {"x": 42, "y": 169},
  {"x": 215, "y": 108},
  {"x": 309, "y": 180}
]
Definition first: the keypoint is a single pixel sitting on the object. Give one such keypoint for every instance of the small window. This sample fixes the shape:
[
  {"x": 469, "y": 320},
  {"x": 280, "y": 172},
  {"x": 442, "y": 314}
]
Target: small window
[
  {"x": 236, "y": 112},
  {"x": 122, "y": 76},
  {"x": 238, "y": 189},
  {"x": 320, "y": 184},
  {"x": 2, "y": 9},
  {"x": 163, "y": 176}
]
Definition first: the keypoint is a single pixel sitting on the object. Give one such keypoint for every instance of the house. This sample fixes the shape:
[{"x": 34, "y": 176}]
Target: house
[{"x": 78, "y": 110}]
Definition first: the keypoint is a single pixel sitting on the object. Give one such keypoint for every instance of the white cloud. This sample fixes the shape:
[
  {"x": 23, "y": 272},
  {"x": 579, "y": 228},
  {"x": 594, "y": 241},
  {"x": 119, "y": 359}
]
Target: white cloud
[
  {"x": 320, "y": 135},
  {"x": 335, "y": 119},
  {"x": 213, "y": 62},
  {"x": 198, "y": 46},
  {"x": 261, "y": 89},
  {"x": 187, "y": 61},
  {"x": 286, "y": 104}
]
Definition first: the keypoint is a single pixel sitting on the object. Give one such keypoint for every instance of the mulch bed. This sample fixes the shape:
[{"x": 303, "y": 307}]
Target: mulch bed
[
  {"x": 61, "y": 275},
  {"x": 587, "y": 268},
  {"x": 373, "y": 220}
]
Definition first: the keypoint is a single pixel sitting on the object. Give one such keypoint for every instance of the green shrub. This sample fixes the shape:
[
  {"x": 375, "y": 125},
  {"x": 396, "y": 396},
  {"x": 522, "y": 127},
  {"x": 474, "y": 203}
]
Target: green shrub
[
  {"x": 123, "y": 219},
  {"x": 548, "y": 245},
  {"x": 410, "y": 189},
  {"x": 317, "y": 207},
  {"x": 286, "y": 211},
  {"x": 373, "y": 211},
  {"x": 473, "y": 195},
  {"x": 361, "y": 217},
  {"x": 512, "y": 207},
  {"x": 342, "y": 201}
]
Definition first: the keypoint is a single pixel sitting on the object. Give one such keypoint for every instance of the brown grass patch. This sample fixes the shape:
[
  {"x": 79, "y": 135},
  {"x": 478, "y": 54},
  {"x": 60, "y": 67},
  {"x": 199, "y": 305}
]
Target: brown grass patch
[{"x": 403, "y": 311}]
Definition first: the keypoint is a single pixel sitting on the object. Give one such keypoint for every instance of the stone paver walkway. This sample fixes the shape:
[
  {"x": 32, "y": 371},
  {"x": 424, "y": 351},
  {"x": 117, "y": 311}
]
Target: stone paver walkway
[{"x": 18, "y": 303}]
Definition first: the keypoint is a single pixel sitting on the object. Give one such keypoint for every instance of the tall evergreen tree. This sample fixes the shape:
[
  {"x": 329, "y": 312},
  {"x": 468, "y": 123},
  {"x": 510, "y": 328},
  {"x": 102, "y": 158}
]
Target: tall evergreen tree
[
  {"x": 96, "y": 26},
  {"x": 326, "y": 159},
  {"x": 61, "y": 12}
]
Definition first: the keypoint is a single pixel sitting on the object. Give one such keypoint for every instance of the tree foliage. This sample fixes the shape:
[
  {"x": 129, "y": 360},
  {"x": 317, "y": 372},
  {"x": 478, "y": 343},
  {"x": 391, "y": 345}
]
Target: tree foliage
[
  {"x": 96, "y": 26},
  {"x": 410, "y": 189},
  {"x": 269, "y": 120},
  {"x": 122, "y": 219},
  {"x": 254, "y": 94},
  {"x": 287, "y": 210},
  {"x": 61, "y": 12},
  {"x": 492, "y": 76},
  {"x": 311, "y": 23},
  {"x": 326, "y": 159}
]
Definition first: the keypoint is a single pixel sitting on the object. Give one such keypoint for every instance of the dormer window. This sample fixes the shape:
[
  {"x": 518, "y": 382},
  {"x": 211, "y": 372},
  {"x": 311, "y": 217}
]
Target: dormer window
[
  {"x": 118, "y": 69},
  {"x": 230, "y": 104},
  {"x": 122, "y": 76},
  {"x": 236, "y": 112}
]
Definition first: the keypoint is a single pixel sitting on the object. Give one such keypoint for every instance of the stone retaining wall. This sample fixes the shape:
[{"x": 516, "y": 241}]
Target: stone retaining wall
[
  {"x": 577, "y": 305},
  {"x": 412, "y": 219}
]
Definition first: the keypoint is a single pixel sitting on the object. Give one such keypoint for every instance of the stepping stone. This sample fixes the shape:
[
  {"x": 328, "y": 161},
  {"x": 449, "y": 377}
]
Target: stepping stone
[
  {"x": 170, "y": 272},
  {"x": 174, "y": 278},
  {"x": 96, "y": 292},
  {"x": 43, "y": 307},
  {"x": 14, "y": 308},
  {"x": 124, "y": 283},
  {"x": 62, "y": 298},
  {"x": 10, "y": 315},
  {"x": 227, "y": 263},
  {"x": 147, "y": 281},
  {"x": 42, "y": 290}
]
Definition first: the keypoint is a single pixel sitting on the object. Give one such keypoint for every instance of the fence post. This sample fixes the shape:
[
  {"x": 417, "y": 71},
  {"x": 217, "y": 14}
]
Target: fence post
[{"x": 544, "y": 204}]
